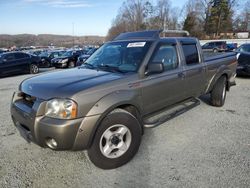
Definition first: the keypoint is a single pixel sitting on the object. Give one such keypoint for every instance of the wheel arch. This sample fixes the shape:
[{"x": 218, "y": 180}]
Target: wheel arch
[
  {"x": 126, "y": 100},
  {"x": 221, "y": 72},
  {"x": 129, "y": 107}
]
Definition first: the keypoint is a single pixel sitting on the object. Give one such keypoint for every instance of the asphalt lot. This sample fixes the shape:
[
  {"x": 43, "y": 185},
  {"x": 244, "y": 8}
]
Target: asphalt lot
[{"x": 205, "y": 147}]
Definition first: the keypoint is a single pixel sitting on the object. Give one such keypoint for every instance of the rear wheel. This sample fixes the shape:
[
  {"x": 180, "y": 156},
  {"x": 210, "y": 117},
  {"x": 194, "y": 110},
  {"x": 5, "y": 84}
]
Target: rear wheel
[
  {"x": 34, "y": 69},
  {"x": 117, "y": 140},
  {"x": 215, "y": 50},
  {"x": 218, "y": 94}
]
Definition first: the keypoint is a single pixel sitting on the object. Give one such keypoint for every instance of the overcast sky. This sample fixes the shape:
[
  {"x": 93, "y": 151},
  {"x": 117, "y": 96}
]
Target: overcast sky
[{"x": 89, "y": 17}]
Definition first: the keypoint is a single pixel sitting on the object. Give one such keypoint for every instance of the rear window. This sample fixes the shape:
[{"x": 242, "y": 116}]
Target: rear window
[{"x": 191, "y": 54}]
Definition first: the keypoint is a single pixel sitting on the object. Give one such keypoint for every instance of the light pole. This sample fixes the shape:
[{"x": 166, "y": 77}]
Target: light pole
[{"x": 73, "y": 33}]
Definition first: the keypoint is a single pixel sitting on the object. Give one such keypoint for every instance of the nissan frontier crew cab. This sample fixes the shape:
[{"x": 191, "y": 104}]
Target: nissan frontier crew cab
[{"x": 126, "y": 85}]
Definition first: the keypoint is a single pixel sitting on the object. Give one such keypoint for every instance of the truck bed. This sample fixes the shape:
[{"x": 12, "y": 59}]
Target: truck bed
[{"x": 211, "y": 56}]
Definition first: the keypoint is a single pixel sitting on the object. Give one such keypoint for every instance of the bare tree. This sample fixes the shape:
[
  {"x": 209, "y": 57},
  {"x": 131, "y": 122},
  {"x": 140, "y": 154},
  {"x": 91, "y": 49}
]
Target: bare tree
[
  {"x": 195, "y": 11},
  {"x": 133, "y": 16}
]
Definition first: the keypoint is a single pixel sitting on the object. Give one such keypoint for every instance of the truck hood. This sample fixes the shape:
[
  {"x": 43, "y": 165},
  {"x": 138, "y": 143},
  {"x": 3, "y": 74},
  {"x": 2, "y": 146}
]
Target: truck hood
[{"x": 64, "y": 84}]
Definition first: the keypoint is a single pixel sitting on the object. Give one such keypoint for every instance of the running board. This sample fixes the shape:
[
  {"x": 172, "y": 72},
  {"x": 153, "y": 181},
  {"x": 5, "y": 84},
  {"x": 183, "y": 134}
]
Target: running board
[{"x": 170, "y": 113}]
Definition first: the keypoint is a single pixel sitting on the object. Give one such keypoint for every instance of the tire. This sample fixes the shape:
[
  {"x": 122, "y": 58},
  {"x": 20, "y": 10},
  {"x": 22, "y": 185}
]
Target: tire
[
  {"x": 218, "y": 93},
  {"x": 215, "y": 50},
  {"x": 123, "y": 133},
  {"x": 48, "y": 65},
  {"x": 34, "y": 69},
  {"x": 71, "y": 64}
]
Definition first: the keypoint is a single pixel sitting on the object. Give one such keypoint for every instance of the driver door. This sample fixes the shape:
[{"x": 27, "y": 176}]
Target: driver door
[
  {"x": 166, "y": 88},
  {"x": 7, "y": 64}
]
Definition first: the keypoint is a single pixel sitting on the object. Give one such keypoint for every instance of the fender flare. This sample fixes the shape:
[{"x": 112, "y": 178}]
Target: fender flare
[
  {"x": 223, "y": 70},
  {"x": 102, "y": 108}
]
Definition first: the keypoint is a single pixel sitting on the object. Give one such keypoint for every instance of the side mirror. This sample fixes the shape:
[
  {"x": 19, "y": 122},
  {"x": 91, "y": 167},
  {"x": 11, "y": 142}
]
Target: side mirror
[{"x": 155, "y": 68}]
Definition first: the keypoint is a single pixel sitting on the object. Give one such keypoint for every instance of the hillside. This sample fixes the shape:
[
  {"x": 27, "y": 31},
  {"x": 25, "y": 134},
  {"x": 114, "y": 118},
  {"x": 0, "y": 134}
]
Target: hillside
[{"x": 48, "y": 39}]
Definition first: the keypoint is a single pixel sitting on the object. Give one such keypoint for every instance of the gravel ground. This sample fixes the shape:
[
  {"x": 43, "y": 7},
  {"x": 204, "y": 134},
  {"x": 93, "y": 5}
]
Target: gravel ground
[{"x": 204, "y": 147}]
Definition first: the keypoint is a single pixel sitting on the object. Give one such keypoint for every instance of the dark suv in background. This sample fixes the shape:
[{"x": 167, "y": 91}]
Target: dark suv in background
[
  {"x": 243, "y": 55},
  {"x": 18, "y": 62},
  {"x": 215, "y": 46},
  {"x": 84, "y": 57},
  {"x": 67, "y": 60},
  {"x": 46, "y": 57}
]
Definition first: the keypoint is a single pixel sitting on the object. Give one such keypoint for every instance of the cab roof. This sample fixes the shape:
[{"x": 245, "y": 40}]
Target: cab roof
[{"x": 156, "y": 35}]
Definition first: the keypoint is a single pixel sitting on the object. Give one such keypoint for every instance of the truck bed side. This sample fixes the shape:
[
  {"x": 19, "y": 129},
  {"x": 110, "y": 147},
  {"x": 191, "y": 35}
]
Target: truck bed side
[{"x": 218, "y": 65}]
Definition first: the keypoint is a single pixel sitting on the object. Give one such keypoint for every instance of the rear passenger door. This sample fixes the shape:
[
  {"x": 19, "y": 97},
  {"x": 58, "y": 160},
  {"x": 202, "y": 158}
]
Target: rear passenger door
[
  {"x": 22, "y": 61},
  {"x": 195, "y": 70},
  {"x": 163, "y": 89}
]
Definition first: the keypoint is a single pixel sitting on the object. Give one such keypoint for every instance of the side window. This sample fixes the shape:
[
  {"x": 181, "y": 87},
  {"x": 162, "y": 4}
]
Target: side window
[
  {"x": 212, "y": 44},
  {"x": 191, "y": 54},
  {"x": 55, "y": 55},
  {"x": 21, "y": 55},
  {"x": 18, "y": 56},
  {"x": 167, "y": 55},
  {"x": 9, "y": 57},
  {"x": 26, "y": 55}
]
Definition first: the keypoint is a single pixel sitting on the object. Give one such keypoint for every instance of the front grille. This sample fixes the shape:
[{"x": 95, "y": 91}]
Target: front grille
[{"x": 27, "y": 99}]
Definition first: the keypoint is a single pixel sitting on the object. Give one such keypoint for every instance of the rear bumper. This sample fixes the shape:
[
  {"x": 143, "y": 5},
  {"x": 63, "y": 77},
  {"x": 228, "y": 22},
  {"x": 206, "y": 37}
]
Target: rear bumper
[
  {"x": 69, "y": 134},
  {"x": 244, "y": 71}
]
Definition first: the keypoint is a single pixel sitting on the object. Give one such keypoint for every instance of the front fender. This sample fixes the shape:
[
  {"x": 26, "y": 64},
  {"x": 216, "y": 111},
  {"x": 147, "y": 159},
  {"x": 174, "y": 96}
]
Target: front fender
[
  {"x": 115, "y": 99},
  {"x": 100, "y": 110}
]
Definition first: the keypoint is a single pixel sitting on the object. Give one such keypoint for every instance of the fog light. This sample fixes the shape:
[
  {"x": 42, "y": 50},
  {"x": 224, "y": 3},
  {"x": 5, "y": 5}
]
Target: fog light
[{"x": 51, "y": 143}]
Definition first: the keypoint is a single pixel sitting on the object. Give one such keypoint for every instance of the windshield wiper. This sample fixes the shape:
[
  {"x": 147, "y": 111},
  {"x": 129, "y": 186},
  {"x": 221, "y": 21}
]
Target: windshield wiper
[
  {"x": 89, "y": 65},
  {"x": 110, "y": 68}
]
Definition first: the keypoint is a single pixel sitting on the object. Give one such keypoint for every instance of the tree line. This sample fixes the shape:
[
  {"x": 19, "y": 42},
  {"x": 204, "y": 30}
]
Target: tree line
[{"x": 202, "y": 18}]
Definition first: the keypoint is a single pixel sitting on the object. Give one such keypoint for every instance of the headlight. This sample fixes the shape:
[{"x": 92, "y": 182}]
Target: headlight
[
  {"x": 64, "y": 61},
  {"x": 61, "y": 109}
]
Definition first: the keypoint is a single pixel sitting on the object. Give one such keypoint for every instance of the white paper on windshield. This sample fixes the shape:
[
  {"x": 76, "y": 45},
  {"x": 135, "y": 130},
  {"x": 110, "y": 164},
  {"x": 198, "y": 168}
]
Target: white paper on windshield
[{"x": 136, "y": 44}]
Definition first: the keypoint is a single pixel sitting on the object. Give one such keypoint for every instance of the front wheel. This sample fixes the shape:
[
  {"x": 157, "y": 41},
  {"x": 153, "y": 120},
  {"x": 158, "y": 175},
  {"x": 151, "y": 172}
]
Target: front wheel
[
  {"x": 218, "y": 94},
  {"x": 71, "y": 64},
  {"x": 34, "y": 69},
  {"x": 117, "y": 140}
]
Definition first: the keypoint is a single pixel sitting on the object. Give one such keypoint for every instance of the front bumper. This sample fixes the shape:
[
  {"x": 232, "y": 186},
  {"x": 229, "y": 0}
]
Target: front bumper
[
  {"x": 69, "y": 134},
  {"x": 60, "y": 65}
]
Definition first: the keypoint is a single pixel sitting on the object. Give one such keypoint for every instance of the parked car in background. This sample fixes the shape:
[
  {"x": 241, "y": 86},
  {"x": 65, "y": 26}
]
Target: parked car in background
[
  {"x": 215, "y": 46},
  {"x": 67, "y": 60},
  {"x": 3, "y": 50},
  {"x": 84, "y": 57},
  {"x": 243, "y": 54},
  {"x": 46, "y": 57},
  {"x": 18, "y": 62},
  {"x": 232, "y": 46}
]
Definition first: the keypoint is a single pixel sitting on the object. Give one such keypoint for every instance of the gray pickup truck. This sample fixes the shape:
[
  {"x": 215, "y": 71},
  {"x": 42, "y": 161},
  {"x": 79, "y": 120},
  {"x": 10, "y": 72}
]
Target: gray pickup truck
[{"x": 128, "y": 84}]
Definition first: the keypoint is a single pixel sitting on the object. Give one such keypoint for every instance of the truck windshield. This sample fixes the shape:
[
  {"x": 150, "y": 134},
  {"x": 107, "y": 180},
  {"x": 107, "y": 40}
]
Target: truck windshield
[{"x": 119, "y": 56}]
